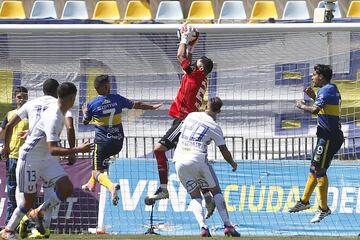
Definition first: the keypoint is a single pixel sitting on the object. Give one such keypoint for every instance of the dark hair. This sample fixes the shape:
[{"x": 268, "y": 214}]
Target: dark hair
[
  {"x": 208, "y": 64},
  {"x": 215, "y": 104},
  {"x": 324, "y": 70},
  {"x": 101, "y": 80},
  {"x": 20, "y": 89},
  {"x": 66, "y": 89},
  {"x": 50, "y": 87}
]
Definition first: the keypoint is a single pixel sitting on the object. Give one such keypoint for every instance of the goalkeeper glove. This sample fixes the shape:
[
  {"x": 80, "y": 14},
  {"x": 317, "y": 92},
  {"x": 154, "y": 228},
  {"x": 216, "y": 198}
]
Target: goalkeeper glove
[
  {"x": 191, "y": 45},
  {"x": 185, "y": 32}
]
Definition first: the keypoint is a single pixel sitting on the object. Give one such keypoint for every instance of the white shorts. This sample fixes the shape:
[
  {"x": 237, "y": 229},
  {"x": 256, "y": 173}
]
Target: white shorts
[
  {"x": 30, "y": 171},
  {"x": 196, "y": 174}
]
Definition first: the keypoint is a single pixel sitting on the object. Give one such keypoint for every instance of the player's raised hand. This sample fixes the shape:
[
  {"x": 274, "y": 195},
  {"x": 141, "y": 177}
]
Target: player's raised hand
[
  {"x": 156, "y": 106},
  {"x": 5, "y": 153},
  {"x": 183, "y": 33},
  {"x": 310, "y": 92},
  {"x": 71, "y": 160},
  {"x": 84, "y": 108},
  {"x": 299, "y": 103},
  {"x": 85, "y": 147},
  {"x": 23, "y": 134}
]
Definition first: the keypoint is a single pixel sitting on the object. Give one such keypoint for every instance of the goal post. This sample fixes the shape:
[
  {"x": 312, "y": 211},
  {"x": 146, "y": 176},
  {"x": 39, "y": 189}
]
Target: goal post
[{"x": 260, "y": 70}]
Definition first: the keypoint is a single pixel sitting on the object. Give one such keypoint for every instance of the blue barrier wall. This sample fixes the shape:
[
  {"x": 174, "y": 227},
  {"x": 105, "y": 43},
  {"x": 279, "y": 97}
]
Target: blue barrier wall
[{"x": 258, "y": 197}]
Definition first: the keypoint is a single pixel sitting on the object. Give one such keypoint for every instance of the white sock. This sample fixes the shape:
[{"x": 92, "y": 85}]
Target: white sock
[
  {"x": 163, "y": 186},
  {"x": 221, "y": 207},
  {"x": 197, "y": 209},
  {"x": 19, "y": 196},
  {"x": 50, "y": 203},
  {"x": 16, "y": 217},
  {"x": 48, "y": 213}
]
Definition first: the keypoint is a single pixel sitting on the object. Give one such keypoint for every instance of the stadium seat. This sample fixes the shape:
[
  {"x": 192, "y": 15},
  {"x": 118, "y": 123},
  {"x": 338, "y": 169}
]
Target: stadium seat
[
  {"x": 106, "y": 10},
  {"x": 337, "y": 13},
  {"x": 201, "y": 12},
  {"x": 43, "y": 9},
  {"x": 169, "y": 12},
  {"x": 354, "y": 10},
  {"x": 75, "y": 10},
  {"x": 262, "y": 11},
  {"x": 137, "y": 11},
  {"x": 232, "y": 11},
  {"x": 296, "y": 10},
  {"x": 12, "y": 10}
]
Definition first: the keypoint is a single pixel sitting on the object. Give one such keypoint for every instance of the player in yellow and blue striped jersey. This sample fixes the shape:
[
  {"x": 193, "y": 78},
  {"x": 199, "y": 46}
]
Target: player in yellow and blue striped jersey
[
  {"x": 329, "y": 138},
  {"x": 104, "y": 111}
]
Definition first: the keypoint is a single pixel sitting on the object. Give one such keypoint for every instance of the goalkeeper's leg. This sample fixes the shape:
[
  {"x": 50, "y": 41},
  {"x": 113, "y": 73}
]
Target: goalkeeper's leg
[
  {"x": 167, "y": 142},
  {"x": 163, "y": 168}
]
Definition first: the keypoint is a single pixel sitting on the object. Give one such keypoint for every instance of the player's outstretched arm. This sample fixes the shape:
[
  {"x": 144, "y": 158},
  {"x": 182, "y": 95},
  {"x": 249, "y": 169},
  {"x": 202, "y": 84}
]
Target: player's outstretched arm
[
  {"x": 70, "y": 133},
  {"x": 184, "y": 41},
  {"x": 144, "y": 106},
  {"x": 311, "y": 109},
  {"x": 181, "y": 53},
  {"x": 55, "y": 150},
  {"x": 228, "y": 157}
]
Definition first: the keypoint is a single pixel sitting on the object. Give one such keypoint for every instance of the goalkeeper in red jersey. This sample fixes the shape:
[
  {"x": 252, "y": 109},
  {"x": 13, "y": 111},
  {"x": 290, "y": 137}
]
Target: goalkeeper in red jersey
[{"x": 188, "y": 99}]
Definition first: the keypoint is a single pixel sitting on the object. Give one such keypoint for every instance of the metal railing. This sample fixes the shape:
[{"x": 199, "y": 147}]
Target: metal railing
[{"x": 247, "y": 149}]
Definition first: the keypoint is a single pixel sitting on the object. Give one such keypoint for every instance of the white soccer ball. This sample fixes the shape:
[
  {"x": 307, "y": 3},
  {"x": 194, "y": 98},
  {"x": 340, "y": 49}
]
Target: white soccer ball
[{"x": 193, "y": 35}]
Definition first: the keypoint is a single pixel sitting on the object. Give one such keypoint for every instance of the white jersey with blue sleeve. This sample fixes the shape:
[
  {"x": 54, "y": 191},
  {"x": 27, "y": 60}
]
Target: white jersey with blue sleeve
[
  {"x": 35, "y": 160},
  {"x": 197, "y": 132},
  {"x": 47, "y": 129},
  {"x": 33, "y": 109}
]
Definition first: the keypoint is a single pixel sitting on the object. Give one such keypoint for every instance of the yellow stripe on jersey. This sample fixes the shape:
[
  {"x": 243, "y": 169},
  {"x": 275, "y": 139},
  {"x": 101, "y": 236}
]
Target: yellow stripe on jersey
[
  {"x": 105, "y": 121},
  {"x": 95, "y": 156},
  {"x": 330, "y": 109},
  {"x": 325, "y": 153}
]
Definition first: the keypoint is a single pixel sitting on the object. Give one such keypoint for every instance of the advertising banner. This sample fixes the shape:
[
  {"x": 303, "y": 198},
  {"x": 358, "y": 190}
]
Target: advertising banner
[
  {"x": 78, "y": 213},
  {"x": 258, "y": 196}
]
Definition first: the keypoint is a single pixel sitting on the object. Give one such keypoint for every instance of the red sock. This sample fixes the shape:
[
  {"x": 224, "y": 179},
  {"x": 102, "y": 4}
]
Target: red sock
[{"x": 162, "y": 166}]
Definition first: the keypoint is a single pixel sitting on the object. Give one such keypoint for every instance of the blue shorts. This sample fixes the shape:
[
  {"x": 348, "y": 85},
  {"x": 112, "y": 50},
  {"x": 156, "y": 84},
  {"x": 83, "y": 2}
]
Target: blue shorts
[
  {"x": 325, "y": 150},
  {"x": 103, "y": 152}
]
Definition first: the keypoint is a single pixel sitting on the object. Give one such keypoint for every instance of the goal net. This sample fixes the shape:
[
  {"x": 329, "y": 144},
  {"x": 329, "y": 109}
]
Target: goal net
[{"x": 258, "y": 75}]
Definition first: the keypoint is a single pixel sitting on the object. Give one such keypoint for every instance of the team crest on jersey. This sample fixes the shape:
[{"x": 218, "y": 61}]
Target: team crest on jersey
[{"x": 106, "y": 101}]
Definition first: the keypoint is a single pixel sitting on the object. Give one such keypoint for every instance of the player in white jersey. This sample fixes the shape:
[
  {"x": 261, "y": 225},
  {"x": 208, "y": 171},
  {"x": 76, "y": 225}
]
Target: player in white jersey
[
  {"x": 192, "y": 167},
  {"x": 32, "y": 111},
  {"x": 39, "y": 160}
]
